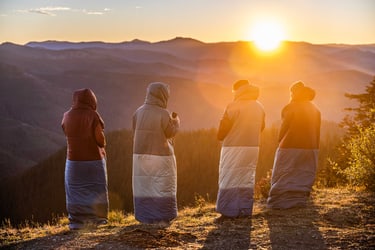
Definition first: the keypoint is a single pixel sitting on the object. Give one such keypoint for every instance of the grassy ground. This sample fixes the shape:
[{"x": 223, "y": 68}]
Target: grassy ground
[{"x": 334, "y": 219}]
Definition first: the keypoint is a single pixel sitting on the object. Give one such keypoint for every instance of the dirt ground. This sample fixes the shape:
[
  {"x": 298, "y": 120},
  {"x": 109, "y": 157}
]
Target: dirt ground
[{"x": 334, "y": 219}]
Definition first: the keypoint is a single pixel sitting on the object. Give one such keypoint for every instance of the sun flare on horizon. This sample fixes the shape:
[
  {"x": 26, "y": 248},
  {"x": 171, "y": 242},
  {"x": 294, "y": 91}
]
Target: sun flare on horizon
[{"x": 267, "y": 35}]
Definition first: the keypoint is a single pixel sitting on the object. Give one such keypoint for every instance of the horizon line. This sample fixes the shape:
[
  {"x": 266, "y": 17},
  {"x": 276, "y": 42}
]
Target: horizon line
[{"x": 174, "y": 38}]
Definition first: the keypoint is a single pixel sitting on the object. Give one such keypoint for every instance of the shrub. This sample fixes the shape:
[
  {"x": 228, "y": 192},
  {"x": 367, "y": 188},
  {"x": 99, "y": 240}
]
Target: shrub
[
  {"x": 355, "y": 157},
  {"x": 361, "y": 169}
]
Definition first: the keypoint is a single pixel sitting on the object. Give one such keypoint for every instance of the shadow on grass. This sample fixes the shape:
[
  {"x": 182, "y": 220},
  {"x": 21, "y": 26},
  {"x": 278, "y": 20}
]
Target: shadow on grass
[
  {"x": 295, "y": 228},
  {"x": 143, "y": 236},
  {"x": 231, "y": 234}
]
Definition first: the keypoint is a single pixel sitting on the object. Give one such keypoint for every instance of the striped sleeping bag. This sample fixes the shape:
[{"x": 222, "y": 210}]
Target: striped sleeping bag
[
  {"x": 293, "y": 176},
  {"x": 296, "y": 158},
  {"x": 239, "y": 129},
  {"x": 236, "y": 180},
  {"x": 154, "y": 163},
  {"x": 154, "y": 188},
  {"x": 86, "y": 192}
]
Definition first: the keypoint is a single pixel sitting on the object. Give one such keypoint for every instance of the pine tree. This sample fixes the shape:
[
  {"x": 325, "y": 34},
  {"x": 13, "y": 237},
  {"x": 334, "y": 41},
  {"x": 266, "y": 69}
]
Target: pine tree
[
  {"x": 356, "y": 156},
  {"x": 363, "y": 115}
]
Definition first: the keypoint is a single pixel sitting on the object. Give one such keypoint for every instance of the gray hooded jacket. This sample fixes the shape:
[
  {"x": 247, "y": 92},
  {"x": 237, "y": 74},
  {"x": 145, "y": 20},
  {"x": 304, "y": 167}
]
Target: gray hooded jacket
[
  {"x": 153, "y": 125},
  {"x": 243, "y": 119}
]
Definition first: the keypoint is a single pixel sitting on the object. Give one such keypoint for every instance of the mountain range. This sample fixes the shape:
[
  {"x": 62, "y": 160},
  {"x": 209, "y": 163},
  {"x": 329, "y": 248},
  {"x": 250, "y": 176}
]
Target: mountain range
[{"x": 37, "y": 81}]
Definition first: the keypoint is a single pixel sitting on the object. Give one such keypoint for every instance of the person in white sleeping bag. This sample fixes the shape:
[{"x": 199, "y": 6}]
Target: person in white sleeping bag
[
  {"x": 239, "y": 131},
  {"x": 154, "y": 162}
]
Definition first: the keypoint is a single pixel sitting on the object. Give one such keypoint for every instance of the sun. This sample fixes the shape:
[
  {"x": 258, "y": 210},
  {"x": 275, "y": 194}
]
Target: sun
[{"x": 267, "y": 35}]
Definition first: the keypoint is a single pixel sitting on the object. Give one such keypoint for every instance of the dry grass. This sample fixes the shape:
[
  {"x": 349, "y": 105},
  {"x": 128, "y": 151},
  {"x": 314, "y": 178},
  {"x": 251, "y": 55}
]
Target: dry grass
[{"x": 334, "y": 219}]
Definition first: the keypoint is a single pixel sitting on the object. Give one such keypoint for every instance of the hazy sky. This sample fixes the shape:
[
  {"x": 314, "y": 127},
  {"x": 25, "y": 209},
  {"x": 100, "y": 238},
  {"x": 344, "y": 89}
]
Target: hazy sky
[{"x": 315, "y": 21}]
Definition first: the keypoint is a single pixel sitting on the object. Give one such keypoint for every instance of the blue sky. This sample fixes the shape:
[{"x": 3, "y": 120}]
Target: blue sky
[{"x": 318, "y": 21}]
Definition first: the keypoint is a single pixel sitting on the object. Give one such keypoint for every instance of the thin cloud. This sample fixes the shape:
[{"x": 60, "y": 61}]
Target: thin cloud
[
  {"x": 58, "y": 8},
  {"x": 50, "y": 10},
  {"x": 94, "y": 13},
  {"x": 39, "y": 11}
]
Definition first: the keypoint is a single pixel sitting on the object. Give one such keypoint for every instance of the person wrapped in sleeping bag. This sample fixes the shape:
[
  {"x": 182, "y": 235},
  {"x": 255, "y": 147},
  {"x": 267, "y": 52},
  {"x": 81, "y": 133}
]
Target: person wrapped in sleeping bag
[
  {"x": 154, "y": 162},
  {"x": 239, "y": 131},
  {"x": 85, "y": 168},
  {"x": 296, "y": 158}
]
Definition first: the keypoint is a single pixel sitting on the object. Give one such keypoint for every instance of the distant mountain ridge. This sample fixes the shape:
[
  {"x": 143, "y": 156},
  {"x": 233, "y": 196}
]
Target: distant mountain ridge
[
  {"x": 37, "y": 81},
  {"x": 62, "y": 45}
]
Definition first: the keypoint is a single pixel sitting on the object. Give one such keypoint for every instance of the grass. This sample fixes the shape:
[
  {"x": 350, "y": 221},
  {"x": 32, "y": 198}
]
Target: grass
[
  {"x": 334, "y": 219},
  {"x": 29, "y": 231}
]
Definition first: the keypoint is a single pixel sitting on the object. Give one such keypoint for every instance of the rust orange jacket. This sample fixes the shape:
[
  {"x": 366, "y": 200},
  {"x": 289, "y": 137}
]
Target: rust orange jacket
[
  {"x": 300, "y": 126},
  {"x": 83, "y": 128}
]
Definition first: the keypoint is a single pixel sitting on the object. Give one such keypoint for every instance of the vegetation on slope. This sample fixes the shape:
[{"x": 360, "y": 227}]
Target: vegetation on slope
[
  {"x": 356, "y": 155},
  {"x": 334, "y": 219}
]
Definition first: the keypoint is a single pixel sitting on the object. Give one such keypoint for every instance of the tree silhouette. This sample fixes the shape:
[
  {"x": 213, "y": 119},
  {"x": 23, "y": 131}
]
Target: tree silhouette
[
  {"x": 362, "y": 116},
  {"x": 356, "y": 155}
]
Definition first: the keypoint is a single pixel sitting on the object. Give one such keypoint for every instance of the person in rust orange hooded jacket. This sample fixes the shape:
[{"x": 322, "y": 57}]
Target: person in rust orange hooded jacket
[
  {"x": 296, "y": 158},
  {"x": 83, "y": 128},
  {"x": 85, "y": 169}
]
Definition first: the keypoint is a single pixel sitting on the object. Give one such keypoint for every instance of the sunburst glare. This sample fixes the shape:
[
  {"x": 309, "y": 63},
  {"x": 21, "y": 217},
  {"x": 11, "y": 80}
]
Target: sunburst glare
[{"x": 267, "y": 35}]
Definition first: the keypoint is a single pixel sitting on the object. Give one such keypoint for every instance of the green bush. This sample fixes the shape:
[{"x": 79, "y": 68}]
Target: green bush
[
  {"x": 354, "y": 158},
  {"x": 361, "y": 169}
]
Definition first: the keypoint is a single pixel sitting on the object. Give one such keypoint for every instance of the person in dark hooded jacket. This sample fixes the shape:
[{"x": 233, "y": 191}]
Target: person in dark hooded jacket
[
  {"x": 296, "y": 158},
  {"x": 85, "y": 169},
  {"x": 154, "y": 162},
  {"x": 239, "y": 130}
]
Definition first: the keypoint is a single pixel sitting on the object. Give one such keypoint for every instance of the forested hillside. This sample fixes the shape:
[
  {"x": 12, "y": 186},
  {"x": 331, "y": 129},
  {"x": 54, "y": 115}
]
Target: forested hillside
[{"x": 40, "y": 189}]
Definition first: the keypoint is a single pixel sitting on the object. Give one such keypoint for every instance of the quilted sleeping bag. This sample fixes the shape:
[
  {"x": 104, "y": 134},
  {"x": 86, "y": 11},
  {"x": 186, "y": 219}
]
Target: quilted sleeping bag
[
  {"x": 85, "y": 168},
  {"x": 296, "y": 158},
  {"x": 239, "y": 129},
  {"x": 154, "y": 164}
]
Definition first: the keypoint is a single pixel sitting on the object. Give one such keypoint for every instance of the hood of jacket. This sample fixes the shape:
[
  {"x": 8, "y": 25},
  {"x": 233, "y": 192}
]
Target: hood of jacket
[
  {"x": 157, "y": 94},
  {"x": 303, "y": 94},
  {"x": 84, "y": 98},
  {"x": 246, "y": 92}
]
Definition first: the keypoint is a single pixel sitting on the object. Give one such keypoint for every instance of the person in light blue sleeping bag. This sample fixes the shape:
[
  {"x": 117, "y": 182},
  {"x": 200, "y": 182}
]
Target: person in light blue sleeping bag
[
  {"x": 296, "y": 158},
  {"x": 85, "y": 169}
]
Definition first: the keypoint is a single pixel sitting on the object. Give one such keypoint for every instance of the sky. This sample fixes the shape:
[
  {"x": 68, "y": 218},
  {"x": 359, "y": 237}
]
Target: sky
[{"x": 314, "y": 21}]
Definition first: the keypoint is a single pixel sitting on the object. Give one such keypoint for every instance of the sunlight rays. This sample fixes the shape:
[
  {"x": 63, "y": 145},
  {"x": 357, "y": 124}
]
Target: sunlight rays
[{"x": 267, "y": 35}]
